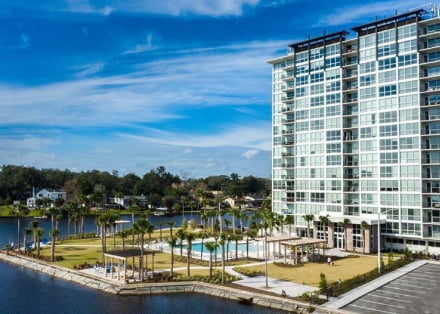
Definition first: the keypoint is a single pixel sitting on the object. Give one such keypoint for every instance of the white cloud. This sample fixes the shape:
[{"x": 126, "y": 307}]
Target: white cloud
[
  {"x": 187, "y": 151},
  {"x": 214, "y": 8},
  {"x": 349, "y": 14},
  {"x": 147, "y": 46},
  {"x": 254, "y": 136},
  {"x": 251, "y": 153},
  {"x": 146, "y": 92}
]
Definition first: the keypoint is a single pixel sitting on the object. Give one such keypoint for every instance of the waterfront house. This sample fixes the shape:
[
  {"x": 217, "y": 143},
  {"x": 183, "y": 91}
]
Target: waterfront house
[{"x": 45, "y": 193}]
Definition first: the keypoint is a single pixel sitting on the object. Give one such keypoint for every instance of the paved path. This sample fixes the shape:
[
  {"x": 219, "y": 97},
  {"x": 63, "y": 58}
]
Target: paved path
[
  {"x": 275, "y": 286},
  {"x": 355, "y": 294}
]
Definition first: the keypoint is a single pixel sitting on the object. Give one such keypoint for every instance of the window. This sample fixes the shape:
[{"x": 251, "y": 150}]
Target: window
[
  {"x": 368, "y": 119},
  {"x": 334, "y": 135},
  {"x": 333, "y": 74},
  {"x": 357, "y": 237},
  {"x": 333, "y": 160},
  {"x": 389, "y": 144},
  {"x": 392, "y": 213},
  {"x": 367, "y": 67},
  {"x": 386, "y": 50},
  {"x": 333, "y": 111},
  {"x": 387, "y": 90},
  {"x": 316, "y": 53},
  {"x": 410, "y": 185},
  {"x": 389, "y": 172},
  {"x": 388, "y": 117},
  {"x": 316, "y": 124},
  {"x": 316, "y": 77},
  {"x": 387, "y": 63},
  {"x": 411, "y": 229},
  {"x": 301, "y": 91},
  {"x": 369, "y": 132},
  {"x": 389, "y": 185},
  {"x": 302, "y": 69},
  {"x": 367, "y": 54},
  {"x": 407, "y": 59},
  {"x": 407, "y": 73},
  {"x": 408, "y": 101},
  {"x": 316, "y": 101},
  {"x": 302, "y": 115},
  {"x": 389, "y": 199},
  {"x": 386, "y": 36},
  {"x": 389, "y": 158},
  {"x": 334, "y": 148},
  {"x": 332, "y": 62},
  {"x": 407, "y": 31},
  {"x": 409, "y": 143},
  {"x": 366, "y": 93},
  {"x": 369, "y": 172},
  {"x": 333, "y": 50},
  {"x": 368, "y": 146},
  {"x": 435, "y": 42},
  {"x": 368, "y": 159},
  {"x": 367, "y": 80},
  {"x": 410, "y": 171},
  {"x": 434, "y": 56},
  {"x": 317, "y": 197},
  {"x": 388, "y": 76},
  {"x": 388, "y": 130},
  {"x": 334, "y": 173},
  {"x": 365, "y": 106},
  {"x": 317, "y": 112},
  {"x": 432, "y": 71},
  {"x": 333, "y": 98},
  {"x": 409, "y": 157},
  {"x": 409, "y": 128},
  {"x": 302, "y": 57},
  {"x": 368, "y": 199},
  {"x": 302, "y": 126},
  {"x": 333, "y": 86},
  {"x": 367, "y": 41},
  {"x": 390, "y": 227},
  {"x": 302, "y": 80},
  {"x": 407, "y": 46}
]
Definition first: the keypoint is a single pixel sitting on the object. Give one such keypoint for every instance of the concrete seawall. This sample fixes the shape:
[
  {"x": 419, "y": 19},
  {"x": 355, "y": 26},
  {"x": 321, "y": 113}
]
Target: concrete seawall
[{"x": 162, "y": 288}]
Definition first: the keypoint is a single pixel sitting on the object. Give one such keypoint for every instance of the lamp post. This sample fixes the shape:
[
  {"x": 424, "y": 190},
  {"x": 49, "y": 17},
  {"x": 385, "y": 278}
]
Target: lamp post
[{"x": 378, "y": 241}]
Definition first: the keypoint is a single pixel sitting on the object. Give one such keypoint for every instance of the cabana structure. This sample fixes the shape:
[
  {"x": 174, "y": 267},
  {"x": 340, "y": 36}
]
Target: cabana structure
[
  {"x": 304, "y": 248},
  {"x": 115, "y": 262},
  {"x": 276, "y": 244}
]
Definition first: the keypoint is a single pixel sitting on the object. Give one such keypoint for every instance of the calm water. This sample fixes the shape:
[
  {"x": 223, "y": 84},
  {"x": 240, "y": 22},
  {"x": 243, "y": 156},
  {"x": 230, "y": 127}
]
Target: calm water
[{"x": 26, "y": 291}]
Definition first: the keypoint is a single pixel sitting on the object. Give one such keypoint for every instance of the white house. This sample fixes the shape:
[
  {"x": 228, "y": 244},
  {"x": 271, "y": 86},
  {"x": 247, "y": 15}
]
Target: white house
[
  {"x": 45, "y": 193},
  {"x": 129, "y": 199}
]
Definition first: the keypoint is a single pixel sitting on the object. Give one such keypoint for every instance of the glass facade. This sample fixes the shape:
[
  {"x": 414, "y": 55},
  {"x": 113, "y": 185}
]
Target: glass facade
[{"x": 356, "y": 129}]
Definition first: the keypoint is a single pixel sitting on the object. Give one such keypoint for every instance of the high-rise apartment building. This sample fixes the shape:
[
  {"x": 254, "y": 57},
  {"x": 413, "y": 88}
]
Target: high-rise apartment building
[{"x": 356, "y": 134}]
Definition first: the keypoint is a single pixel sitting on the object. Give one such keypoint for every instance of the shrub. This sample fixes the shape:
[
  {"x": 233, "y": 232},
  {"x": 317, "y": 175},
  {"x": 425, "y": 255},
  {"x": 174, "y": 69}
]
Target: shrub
[{"x": 248, "y": 272}]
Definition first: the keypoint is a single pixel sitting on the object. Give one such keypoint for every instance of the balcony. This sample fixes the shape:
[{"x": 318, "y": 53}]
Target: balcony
[
  {"x": 350, "y": 74},
  {"x": 288, "y": 100},
  {"x": 288, "y": 199},
  {"x": 288, "y": 120},
  {"x": 287, "y": 143}
]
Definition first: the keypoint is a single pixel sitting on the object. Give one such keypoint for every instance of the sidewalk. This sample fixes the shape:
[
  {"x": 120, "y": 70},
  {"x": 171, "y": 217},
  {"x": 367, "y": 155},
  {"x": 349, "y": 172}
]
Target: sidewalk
[{"x": 346, "y": 298}]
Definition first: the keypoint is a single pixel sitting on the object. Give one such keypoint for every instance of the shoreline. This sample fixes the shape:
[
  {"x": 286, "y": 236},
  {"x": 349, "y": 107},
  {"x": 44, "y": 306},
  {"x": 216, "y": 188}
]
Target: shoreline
[{"x": 144, "y": 289}]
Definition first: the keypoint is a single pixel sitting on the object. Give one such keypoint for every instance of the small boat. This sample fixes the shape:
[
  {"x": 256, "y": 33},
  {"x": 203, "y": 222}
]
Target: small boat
[{"x": 245, "y": 300}]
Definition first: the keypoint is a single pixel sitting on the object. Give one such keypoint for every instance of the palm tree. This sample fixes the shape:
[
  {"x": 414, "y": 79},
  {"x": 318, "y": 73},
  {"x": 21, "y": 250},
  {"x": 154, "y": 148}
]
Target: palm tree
[
  {"x": 249, "y": 234},
  {"x": 308, "y": 218},
  {"x": 160, "y": 224},
  {"x": 133, "y": 209},
  {"x": 34, "y": 226},
  {"x": 325, "y": 221},
  {"x": 222, "y": 242},
  {"x": 26, "y": 233},
  {"x": 53, "y": 234},
  {"x": 171, "y": 225},
  {"x": 364, "y": 226},
  {"x": 180, "y": 234},
  {"x": 172, "y": 244},
  {"x": 19, "y": 211},
  {"x": 202, "y": 234},
  {"x": 189, "y": 238},
  {"x": 236, "y": 238},
  {"x": 269, "y": 221},
  {"x": 211, "y": 247},
  {"x": 142, "y": 226},
  {"x": 235, "y": 213},
  {"x": 71, "y": 208},
  {"x": 289, "y": 220},
  {"x": 38, "y": 234},
  {"x": 345, "y": 224},
  {"x": 123, "y": 234}
]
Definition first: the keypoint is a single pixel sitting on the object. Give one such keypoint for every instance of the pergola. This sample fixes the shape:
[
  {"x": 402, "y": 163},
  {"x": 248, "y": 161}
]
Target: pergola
[
  {"x": 302, "y": 246},
  {"x": 275, "y": 240},
  {"x": 122, "y": 257}
]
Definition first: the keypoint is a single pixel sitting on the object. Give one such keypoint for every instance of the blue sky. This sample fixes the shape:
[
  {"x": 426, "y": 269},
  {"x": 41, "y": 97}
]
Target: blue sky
[{"x": 131, "y": 85}]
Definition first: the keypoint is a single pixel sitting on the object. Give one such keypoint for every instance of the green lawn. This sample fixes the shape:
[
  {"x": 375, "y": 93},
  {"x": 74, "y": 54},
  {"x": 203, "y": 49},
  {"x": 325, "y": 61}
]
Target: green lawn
[
  {"x": 5, "y": 209},
  {"x": 308, "y": 273}
]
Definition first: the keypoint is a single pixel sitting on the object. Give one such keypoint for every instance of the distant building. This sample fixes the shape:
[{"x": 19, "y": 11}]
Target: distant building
[
  {"x": 253, "y": 201},
  {"x": 128, "y": 200},
  {"x": 45, "y": 193}
]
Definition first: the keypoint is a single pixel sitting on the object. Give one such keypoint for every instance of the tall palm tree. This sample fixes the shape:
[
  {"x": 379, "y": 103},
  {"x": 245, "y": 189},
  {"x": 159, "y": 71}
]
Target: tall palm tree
[
  {"x": 53, "y": 234},
  {"x": 269, "y": 221},
  {"x": 211, "y": 247},
  {"x": 26, "y": 232},
  {"x": 38, "y": 234},
  {"x": 171, "y": 224},
  {"x": 202, "y": 234},
  {"x": 71, "y": 208},
  {"x": 308, "y": 218},
  {"x": 133, "y": 209},
  {"x": 235, "y": 213},
  {"x": 251, "y": 233},
  {"x": 142, "y": 226},
  {"x": 123, "y": 234},
  {"x": 345, "y": 224},
  {"x": 180, "y": 234},
  {"x": 189, "y": 238},
  {"x": 34, "y": 226},
  {"x": 19, "y": 211},
  {"x": 172, "y": 244},
  {"x": 236, "y": 238},
  {"x": 364, "y": 227},
  {"x": 325, "y": 222},
  {"x": 289, "y": 220},
  {"x": 222, "y": 242}
]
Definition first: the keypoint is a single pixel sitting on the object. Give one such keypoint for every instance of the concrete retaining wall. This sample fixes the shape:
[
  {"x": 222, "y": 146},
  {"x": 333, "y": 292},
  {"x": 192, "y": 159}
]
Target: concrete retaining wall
[{"x": 161, "y": 288}]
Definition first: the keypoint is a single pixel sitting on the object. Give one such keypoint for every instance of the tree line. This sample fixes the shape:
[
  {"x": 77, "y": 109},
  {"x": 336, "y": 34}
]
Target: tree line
[{"x": 160, "y": 186}]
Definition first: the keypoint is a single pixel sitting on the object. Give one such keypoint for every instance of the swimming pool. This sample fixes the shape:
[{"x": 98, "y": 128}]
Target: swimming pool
[{"x": 197, "y": 247}]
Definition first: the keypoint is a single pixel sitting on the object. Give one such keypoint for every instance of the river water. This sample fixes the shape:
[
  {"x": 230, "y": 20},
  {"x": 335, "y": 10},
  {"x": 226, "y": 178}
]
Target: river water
[{"x": 26, "y": 291}]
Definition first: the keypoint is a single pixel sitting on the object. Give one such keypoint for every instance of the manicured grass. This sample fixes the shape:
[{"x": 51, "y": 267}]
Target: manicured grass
[
  {"x": 308, "y": 273},
  {"x": 75, "y": 255},
  {"x": 196, "y": 272},
  {"x": 5, "y": 209}
]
